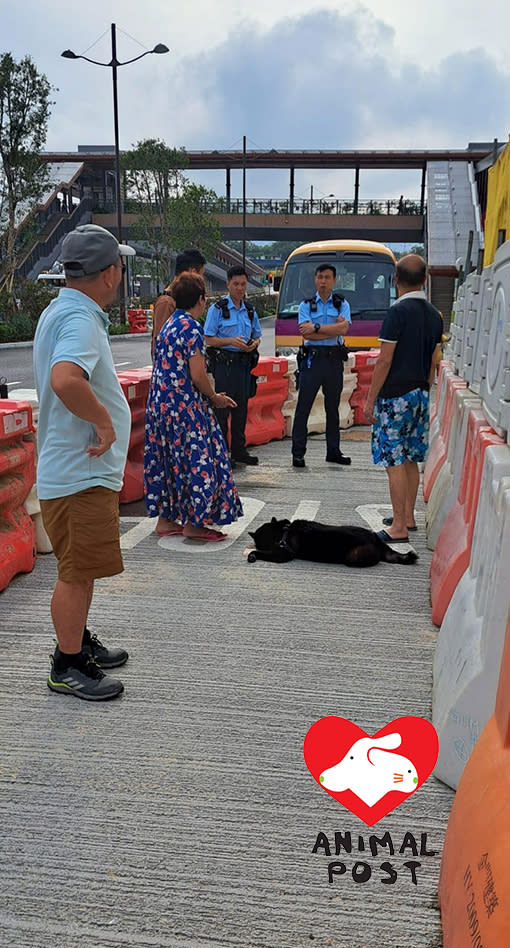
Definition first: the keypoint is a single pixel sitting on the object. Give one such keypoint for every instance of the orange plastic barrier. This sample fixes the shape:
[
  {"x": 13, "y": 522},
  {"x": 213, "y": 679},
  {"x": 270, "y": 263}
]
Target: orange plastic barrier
[
  {"x": 265, "y": 421},
  {"x": 453, "y": 549},
  {"x": 439, "y": 448},
  {"x": 364, "y": 363},
  {"x": 17, "y": 475},
  {"x": 135, "y": 385},
  {"x": 137, "y": 320},
  {"x": 474, "y": 885}
]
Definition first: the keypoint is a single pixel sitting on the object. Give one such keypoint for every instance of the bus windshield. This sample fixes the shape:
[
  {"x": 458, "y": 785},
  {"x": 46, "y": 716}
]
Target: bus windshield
[{"x": 365, "y": 280}]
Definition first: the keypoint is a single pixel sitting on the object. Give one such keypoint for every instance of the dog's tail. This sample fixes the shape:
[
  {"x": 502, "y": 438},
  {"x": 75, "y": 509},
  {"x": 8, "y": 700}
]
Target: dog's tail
[{"x": 394, "y": 556}]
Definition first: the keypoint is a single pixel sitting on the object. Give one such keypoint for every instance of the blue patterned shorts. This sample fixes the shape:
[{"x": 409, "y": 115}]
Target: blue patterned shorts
[{"x": 401, "y": 429}]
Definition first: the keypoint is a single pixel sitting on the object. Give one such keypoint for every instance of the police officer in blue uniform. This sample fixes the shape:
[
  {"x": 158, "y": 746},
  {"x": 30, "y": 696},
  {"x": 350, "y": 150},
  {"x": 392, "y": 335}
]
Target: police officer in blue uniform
[
  {"x": 232, "y": 329},
  {"x": 323, "y": 321}
]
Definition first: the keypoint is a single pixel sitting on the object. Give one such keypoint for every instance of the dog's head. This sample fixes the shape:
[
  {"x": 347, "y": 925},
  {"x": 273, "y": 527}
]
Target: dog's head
[{"x": 268, "y": 536}]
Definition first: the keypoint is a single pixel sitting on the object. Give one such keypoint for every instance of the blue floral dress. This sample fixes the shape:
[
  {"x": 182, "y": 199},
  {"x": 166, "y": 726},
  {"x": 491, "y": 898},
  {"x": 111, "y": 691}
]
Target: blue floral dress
[{"x": 187, "y": 472}]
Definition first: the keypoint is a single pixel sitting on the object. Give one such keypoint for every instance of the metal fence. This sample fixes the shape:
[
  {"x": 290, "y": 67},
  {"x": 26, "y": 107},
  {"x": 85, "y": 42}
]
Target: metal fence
[
  {"x": 223, "y": 205},
  {"x": 322, "y": 206}
]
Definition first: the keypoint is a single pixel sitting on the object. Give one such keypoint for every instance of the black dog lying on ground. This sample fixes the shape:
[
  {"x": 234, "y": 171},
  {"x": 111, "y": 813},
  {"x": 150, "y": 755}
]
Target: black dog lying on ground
[{"x": 283, "y": 540}]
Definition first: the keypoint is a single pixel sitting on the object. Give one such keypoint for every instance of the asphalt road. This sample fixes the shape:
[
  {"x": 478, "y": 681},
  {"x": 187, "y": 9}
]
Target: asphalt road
[{"x": 129, "y": 352}]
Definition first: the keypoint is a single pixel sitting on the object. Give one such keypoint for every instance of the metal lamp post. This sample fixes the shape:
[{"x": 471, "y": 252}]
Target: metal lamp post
[{"x": 113, "y": 65}]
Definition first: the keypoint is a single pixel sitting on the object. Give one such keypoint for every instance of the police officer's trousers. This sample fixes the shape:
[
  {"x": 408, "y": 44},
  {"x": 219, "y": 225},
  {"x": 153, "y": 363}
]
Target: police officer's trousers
[
  {"x": 322, "y": 367},
  {"x": 233, "y": 378}
]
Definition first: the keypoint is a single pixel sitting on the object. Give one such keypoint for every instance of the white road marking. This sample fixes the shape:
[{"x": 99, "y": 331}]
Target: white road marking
[
  {"x": 118, "y": 364},
  {"x": 306, "y": 510},
  {"x": 14, "y": 383},
  {"x": 373, "y": 515},
  {"x": 137, "y": 533}
]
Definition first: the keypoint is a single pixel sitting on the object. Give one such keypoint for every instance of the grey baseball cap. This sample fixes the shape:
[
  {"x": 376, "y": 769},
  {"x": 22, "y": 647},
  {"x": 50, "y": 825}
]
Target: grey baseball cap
[{"x": 91, "y": 248}]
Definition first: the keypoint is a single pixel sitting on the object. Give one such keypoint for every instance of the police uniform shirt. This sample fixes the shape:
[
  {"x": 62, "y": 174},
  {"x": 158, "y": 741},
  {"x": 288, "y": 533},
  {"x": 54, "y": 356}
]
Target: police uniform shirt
[
  {"x": 237, "y": 324},
  {"x": 326, "y": 314}
]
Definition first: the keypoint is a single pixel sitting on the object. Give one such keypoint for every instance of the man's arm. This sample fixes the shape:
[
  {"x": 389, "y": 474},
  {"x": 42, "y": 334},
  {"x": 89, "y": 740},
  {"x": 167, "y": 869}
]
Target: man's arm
[
  {"x": 70, "y": 384},
  {"x": 381, "y": 369},
  {"x": 437, "y": 355},
  {"x": 163, "y": 308},
  {"x": 338, "y": 328}
]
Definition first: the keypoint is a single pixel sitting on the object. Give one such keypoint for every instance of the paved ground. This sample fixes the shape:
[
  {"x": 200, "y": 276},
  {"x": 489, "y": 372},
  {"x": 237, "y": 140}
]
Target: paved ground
[{"x": 182, "y": 814}]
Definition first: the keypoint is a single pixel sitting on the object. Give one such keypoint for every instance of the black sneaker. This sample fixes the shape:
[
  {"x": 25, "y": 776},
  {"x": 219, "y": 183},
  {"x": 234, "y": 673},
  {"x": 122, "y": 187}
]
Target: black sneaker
[
  {"x": 246, "y": 458},
  {"x": 338, "y": 458},
  {"x": 297, "y": 462},
  {"x": 105, "y": 657},
  {"x": 84, "y": 680}
]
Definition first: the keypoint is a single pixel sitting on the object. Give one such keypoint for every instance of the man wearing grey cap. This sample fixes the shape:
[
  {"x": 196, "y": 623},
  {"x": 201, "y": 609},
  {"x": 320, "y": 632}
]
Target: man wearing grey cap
[{"x": 83, "y": 435}]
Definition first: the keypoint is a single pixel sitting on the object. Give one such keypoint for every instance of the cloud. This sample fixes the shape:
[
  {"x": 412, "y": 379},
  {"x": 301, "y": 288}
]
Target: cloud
[{"x": 328, "y": 80}]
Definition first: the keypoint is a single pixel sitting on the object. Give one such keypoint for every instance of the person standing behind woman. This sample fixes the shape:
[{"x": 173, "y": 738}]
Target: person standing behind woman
[
  {"x": 189, "y": 260},
  {"x": 188, "y": 478}
]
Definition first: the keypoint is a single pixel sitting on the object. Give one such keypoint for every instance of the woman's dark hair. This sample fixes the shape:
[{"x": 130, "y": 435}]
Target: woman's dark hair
[{"x": 186, "y": 289}]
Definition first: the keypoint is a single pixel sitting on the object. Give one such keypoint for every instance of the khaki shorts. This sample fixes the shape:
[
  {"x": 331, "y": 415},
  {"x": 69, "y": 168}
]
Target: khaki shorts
[{"x": 84, "y": 532}]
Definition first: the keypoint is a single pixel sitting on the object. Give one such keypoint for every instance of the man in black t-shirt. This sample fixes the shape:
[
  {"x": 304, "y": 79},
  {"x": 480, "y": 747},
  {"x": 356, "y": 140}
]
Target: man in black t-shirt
[{"x": 398, "y": 399}]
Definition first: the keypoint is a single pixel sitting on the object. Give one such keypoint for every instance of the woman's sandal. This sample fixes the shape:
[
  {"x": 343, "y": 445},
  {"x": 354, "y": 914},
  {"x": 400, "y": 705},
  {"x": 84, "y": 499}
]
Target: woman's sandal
[
  {"x": 169, "y": 533},
  {"x": 210, "y": 536}
]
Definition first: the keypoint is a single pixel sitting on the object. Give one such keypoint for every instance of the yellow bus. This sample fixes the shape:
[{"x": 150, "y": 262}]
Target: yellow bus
[{"x": 364, "y": 276}]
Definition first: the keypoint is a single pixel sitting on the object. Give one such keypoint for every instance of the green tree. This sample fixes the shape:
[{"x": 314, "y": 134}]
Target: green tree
[
  {"x": 278, "y": 248},
  {"x": 171, "y": 212},
  {"x": 24, "y": 113},
  {"x": 191, "y": 223}
]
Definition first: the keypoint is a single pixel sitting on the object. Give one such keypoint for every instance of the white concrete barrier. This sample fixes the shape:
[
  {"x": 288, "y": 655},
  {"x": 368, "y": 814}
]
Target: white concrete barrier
[
  {"x": 454, "y": 347},
  {"x": 317, "y": 418},
  {"x": 42, "y": 540},
  {"x": 350, "y": 383},
  {"x": 469, "y": 328},
  {"x": 475, "y": 366},
  {"x": 470, "y": 644},
  {"x": 289, "y": 406},
  {"x": 495, "y": 387},
  {"x": 446, "y": 484}
]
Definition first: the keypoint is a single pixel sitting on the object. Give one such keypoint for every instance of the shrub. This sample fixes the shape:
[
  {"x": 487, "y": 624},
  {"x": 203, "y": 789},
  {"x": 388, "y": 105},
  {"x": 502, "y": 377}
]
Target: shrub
[
  {"x": 118, "y": 329},
  {"x": 19, "y": 328},
  {"x": 33, "y": 298}
]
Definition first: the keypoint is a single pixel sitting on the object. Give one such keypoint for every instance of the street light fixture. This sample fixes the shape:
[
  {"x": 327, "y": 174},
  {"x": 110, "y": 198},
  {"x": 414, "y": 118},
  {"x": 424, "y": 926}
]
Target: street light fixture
[{"x": 113, "y": 65}]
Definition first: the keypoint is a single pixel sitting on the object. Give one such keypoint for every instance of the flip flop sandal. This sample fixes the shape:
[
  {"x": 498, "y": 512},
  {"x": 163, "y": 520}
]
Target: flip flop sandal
[
  {"x": 212, "y": 536},
  {"x": 387, "y": 539},
  {"x": 168, "y": 533},
  {"x": 387, "y": 521}
]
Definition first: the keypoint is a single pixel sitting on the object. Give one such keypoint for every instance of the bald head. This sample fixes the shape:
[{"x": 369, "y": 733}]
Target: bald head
[{"x": 411, "y": 271}]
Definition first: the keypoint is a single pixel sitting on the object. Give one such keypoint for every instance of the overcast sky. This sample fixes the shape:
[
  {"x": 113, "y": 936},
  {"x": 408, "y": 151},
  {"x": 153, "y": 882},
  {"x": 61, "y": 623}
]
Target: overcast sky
[{"x": 301, "y": 74}]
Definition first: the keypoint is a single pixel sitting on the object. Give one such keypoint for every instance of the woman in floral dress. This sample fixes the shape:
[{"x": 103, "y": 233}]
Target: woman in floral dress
[{"x": 187, "y": 473}]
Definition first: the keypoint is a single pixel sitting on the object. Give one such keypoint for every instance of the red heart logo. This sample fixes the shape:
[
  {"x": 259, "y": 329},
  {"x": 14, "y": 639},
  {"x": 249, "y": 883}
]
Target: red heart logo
[{"x": 371, "y": 776}]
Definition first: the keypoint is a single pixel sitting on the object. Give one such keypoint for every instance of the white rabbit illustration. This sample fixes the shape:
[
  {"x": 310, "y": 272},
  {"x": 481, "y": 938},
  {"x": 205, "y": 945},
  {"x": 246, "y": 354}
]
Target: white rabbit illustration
[{"x": 371, "y": 771}]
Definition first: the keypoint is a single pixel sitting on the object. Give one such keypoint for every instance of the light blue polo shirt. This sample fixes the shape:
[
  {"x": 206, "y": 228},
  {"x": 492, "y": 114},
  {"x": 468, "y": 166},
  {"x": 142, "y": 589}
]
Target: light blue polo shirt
[
  {"x": 237, "y": 324},
  {"x": 73, "y": 328},
  {"x": 326, "y": 314}
]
